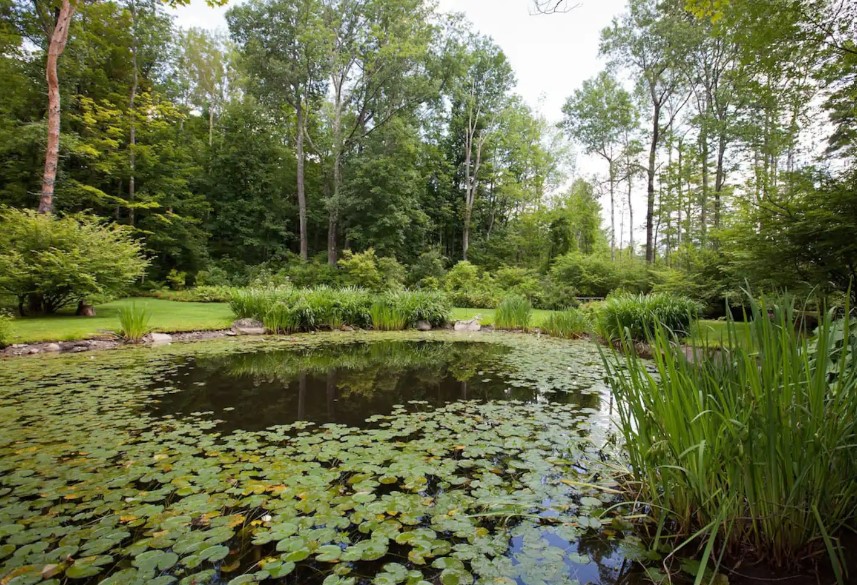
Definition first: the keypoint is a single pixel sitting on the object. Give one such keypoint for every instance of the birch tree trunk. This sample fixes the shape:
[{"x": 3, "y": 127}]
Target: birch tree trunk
[{"x": 58, "y": 40}]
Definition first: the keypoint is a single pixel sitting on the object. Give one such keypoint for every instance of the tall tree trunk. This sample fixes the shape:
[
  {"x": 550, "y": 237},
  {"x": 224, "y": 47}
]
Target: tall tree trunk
[
  {"x": 299, "y": 147},
  {"x": 650, "y": 190},
  {"x": 630, "y": 213},
  {"x": 132, "y": 142},
  {"x": 59, "y": 38},
  {"x": 719, "y": 178},
  {"x": 338, "y": 147},
  {"x": 210, "y": 124},
  {"x": 703, "y": 202},
  {"x": 612, "y": 210}
]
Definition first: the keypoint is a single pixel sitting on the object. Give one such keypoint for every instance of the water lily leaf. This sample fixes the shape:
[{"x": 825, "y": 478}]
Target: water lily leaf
[{"x": 328, "y": 553}]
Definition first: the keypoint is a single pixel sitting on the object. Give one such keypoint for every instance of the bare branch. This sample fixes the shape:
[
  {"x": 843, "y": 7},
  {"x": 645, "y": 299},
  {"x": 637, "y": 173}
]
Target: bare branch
[{"x": 552, "y": 6}]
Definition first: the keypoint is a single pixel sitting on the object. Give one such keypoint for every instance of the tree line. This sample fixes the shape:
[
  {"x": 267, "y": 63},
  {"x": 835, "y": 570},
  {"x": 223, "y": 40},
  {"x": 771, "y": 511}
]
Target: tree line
[{"x": 318, "y": 126}]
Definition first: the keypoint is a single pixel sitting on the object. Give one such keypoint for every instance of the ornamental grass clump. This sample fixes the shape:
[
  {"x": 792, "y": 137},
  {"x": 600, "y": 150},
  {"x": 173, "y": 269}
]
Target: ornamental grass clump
[
  {"x": 134, "y": 322},
  {"x": 753, "y": 448},
  {"x": 570, "y": 323},
  {"x": 288, "y": 310},
  {"x": 638, "y": 316},
  {"x": 513, "y": 313}
]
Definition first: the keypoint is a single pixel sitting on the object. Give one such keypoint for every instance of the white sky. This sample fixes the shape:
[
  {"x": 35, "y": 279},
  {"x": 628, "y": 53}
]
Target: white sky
[{"x": 551, "y": 54}]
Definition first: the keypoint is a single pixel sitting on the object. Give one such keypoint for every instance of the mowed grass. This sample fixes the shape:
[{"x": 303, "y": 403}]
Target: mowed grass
[
  {"x": 167, "y": 316},
  {"x": 174, "y": 316},
  {"x": 714, "y": 333}
]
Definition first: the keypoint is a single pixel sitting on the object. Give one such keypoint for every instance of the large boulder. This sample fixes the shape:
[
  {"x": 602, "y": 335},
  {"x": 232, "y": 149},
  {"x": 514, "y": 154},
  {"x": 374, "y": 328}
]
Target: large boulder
[
  {"x": 248, "y": 327},
  {"x": 468, "y": 325}
]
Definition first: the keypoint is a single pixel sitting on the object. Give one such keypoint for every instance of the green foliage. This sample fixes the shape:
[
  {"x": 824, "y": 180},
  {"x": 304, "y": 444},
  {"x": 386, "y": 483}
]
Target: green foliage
[
  {"x": 427, "y": 270},
  {"x": 590, "y": 276},
  {"x": 641, "y": 316},
  {"x": 513, "y": 312},
  {"x": 286, "y": 309},
  {"x": 134, "y": 322},
  {"x": 176, "y": 280},
  {"x": 388, "y": 316},
  {"x": 468, "y": 286},
  {"x": 5, "y": 328},
  {"x": 198, "y": 294},
  {"x": 750, "y": 448},
  {"x": 521, "y": 282},
  {"x": 569, "y": 323},
  {"x": 366, "y": 270},
  {"x": 50, "y": 262}
]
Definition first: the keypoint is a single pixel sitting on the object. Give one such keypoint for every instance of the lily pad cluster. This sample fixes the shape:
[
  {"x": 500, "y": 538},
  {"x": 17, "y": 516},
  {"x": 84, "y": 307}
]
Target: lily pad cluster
[{"x": 95, "y": 489}]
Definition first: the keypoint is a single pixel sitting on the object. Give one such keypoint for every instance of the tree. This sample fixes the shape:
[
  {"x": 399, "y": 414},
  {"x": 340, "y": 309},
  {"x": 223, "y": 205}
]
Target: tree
[
  {"x": 478, "y": 95},
  {"x": 645, "y": 39},
  {"x": 50, "y": 262},
  {"x": 601, "y": 115},
  {"x": 283, "y": 45}
]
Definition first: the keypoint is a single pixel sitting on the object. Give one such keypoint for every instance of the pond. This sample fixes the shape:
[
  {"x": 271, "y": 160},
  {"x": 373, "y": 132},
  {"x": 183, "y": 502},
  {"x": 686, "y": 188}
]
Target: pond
[{"x": 328, "y": 458}]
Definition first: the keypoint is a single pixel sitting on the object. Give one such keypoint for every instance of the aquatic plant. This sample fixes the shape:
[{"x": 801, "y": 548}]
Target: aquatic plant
[
  {"x": 513, "y": 313},
  {"x": 387, "y": 315},
  {"x": 569, "y": 323},
  {"x": 638, "y": 316},
  {"x": 134, "y": 322},
  {"x": 96, "y": 489},
  {"x": 751, "y": 448}
]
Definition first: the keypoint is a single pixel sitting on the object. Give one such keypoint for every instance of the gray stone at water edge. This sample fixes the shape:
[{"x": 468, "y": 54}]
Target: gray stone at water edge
[
  {"x": 248, "y": 327},
  {"x": 52, "y": 347},
  {"x": 161, "y": 338},
  {"x": 469, "y": 325},
  {"x": 423, "y": 326}
]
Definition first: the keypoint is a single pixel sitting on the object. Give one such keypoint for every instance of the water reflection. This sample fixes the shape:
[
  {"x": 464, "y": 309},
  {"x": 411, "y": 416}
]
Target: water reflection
[{"x": 343, "y": 383}]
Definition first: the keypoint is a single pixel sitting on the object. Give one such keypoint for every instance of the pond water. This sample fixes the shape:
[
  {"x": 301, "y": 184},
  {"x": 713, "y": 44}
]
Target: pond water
[{"x": 331, "y": 458}]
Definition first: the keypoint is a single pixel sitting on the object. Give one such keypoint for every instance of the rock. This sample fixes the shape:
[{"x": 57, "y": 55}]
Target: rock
[
  {"x": 161, "y": 338},
  {"x": 347, "y": 328},
  {"x": 248, "y": 327},
  {"x": 33, "y": 350},
  {"x": 84, "y": 310},
  {"x": 79, "y": 348},
  {"x": 469, "y": 325},
  {"x": 52, "y": 347},
  {"x": 423, "y": 326}
]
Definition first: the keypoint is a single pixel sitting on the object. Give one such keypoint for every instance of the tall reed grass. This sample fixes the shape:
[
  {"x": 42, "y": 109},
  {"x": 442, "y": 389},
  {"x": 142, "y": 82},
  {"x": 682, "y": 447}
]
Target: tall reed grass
[
  {"x": 287, "y": 310},
  {"x": 513, "y": 312},
  {"x": 640, "y": 315},
  {"x": 570, "y": 323},
  {"x": 134, "y": 322},
  {"x": 753, "y": 448}
]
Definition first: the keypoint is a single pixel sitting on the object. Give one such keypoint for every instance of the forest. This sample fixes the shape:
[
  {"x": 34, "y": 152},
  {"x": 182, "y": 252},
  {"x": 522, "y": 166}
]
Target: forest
[{"x": 319, "y": 134}]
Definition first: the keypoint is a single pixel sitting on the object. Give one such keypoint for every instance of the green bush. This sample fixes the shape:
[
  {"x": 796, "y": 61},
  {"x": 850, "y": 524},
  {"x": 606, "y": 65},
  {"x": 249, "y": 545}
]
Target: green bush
[
  {"x": 48, "y": 262},
  {"x": 639, "y": 316},
  {"x": 468, "y": 286},
  {"x": 591, "y": 276},
  {"x": 521, "y": 282},
  {"x": 5, "y": 329},
  {"x": 177, "y": 280},
  {"x": 199, "y": 294},
  {"x": 431, "y": 306},
  {"x": 428, "y": 268},
  {"x": 134, "y": 322},
  {"x": 365, "y": 269},
  {"x": 753, "y": 448},
  {"x": 513, "y": 313},
  {"x": 569, "y": 323},
  {"x": 387, "y": 316}
]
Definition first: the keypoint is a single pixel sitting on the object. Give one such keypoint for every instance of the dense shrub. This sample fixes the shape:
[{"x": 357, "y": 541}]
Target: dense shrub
[
  {"x": 427, "y": 271},
  {"x": 513, "y": 313},
  {"x": 753, "y": 450},
  {"x": 590, "y": 276},
  {"x": 5, "y": 329},
  {"x": 199, "y": 294},
  {"x": 570, "y": 323},
  {"x": 469, "y": 286},
  {"x": 366, "y": 270},
  {"x": 521, "y": 282},
  {"x": 641, "y": 315},
  {"x": 49, "y": 262},
  {"x": 286, "y": 309}
]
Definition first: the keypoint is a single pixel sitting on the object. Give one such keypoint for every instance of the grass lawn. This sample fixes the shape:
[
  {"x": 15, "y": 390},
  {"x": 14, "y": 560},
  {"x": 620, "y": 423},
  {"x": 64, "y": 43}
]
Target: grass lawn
[
  {"x": 486, "y": 316},
  {"x": 715, "y": 333},
  {"x": 168, "y": 316}
]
